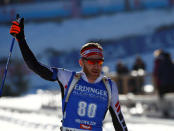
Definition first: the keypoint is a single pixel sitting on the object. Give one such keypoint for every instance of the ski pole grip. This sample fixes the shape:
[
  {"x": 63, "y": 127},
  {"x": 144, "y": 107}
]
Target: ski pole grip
[{"x": 18, "y": 19}]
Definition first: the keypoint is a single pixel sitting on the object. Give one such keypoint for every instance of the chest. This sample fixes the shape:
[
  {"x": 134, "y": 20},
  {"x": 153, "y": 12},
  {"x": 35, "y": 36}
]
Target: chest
[
  {"x": 89, "y": 96},
  {"x": 93, "y": 92}
]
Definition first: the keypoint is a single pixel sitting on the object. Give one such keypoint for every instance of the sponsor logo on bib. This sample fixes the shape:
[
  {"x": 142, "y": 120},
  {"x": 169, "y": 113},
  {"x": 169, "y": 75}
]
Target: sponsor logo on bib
[{"x": 88, "y": 127}]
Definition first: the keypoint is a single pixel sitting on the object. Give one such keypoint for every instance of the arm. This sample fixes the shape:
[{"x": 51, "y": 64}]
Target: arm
[
  {"x": 51, "y": 74},
  {"x": 17, "y": 30},
  {"x": 33, "y": 64},
  {"x": 115, "y": 111}
]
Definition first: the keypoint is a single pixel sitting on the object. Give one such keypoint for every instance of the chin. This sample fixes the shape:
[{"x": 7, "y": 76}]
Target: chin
[{"x": 95, "y": 74}]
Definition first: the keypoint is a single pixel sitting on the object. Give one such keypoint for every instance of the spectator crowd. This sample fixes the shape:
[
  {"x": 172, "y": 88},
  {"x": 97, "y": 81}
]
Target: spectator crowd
[{"x": 134, "y": 78}]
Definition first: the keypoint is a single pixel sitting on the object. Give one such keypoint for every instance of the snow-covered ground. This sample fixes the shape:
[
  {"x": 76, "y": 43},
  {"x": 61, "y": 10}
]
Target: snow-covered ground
[
  {"x": 35, "y": 112},
  {"x": 42, "y": 122}
]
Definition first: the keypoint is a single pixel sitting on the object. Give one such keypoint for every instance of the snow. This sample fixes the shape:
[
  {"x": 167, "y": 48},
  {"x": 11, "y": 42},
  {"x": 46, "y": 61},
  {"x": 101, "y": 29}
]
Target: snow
[
  {"x": 21, "y": 116},
  {"x": 25, "y": 100}
]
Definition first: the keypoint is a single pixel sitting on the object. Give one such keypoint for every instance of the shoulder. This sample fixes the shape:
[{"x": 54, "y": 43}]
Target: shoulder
[
  {"x": 112, "y": 83},
  {"x": 62, "y": 71},
  {"x": 114, "y": 91},
  {"x": 109, "y": 80},
  {"x": 64, "y": 75}
]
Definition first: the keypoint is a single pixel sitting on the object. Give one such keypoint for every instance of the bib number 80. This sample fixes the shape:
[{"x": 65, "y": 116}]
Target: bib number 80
[{"x": 87, "y": 109}]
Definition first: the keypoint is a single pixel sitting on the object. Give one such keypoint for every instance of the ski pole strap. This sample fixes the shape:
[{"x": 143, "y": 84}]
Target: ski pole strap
[{"x": 107, "y": 84}]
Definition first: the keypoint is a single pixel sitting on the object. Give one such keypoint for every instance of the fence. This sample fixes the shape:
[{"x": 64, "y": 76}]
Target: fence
[{"x": 136, "y": 83}]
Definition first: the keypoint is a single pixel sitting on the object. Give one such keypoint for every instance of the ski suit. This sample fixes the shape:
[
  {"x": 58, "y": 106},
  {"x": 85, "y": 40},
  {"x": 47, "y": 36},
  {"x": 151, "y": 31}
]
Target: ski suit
[{"x": 88, "y": 102}]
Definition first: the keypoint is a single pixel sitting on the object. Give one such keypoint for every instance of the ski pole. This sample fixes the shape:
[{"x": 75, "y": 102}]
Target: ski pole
[
  {"x": 8, "y": 60},
  {"x": 6, "y": 67}
]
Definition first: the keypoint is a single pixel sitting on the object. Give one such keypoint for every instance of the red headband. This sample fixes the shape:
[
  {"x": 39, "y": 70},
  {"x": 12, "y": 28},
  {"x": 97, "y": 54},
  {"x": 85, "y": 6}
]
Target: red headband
[{"x": 91, "y": 51}]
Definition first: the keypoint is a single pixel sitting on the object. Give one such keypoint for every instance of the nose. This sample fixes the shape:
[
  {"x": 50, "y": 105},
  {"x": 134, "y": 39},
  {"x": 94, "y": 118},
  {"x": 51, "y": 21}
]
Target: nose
[{"x": 96, "y": 65}]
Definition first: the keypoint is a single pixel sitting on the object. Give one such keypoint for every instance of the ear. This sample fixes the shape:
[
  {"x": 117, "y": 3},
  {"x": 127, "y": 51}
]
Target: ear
[{"x": 80, "y": 62}]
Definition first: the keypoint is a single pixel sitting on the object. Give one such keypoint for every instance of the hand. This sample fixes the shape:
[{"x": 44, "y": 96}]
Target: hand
[{"x": 17, "y": 29}]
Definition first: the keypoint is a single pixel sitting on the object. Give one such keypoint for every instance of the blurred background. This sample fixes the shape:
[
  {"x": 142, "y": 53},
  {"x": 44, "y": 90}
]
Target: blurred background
[{"x": 138, "y": 41}]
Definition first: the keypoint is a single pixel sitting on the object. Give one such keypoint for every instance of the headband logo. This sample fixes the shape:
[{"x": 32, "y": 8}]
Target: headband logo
[{"x": 92, "y": 51}]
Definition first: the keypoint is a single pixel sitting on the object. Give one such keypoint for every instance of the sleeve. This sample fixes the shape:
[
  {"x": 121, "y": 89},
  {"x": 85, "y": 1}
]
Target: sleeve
[
  {"x": 31, "y": 61},
  {"x": 115, "y": 110},
  {"x": 47, "y": 73},
  {"x": 64, "y": 76}
]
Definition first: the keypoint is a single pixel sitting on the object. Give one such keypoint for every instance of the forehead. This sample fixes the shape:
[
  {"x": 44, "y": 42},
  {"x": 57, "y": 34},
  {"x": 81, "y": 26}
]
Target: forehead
[{"x": 94, "y": 57}]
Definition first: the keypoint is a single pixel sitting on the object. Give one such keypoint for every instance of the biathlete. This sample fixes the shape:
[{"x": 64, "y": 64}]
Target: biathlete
[{"x": 86, "y": 95}]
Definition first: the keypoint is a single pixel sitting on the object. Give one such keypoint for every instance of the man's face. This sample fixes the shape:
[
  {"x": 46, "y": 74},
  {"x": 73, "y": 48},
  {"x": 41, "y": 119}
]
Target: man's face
[{"x": 92, "y": 65}]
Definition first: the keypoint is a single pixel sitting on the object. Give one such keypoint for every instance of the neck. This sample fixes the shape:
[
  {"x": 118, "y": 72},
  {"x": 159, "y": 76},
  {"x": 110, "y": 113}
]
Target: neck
[{"x": 91, "y": 79}]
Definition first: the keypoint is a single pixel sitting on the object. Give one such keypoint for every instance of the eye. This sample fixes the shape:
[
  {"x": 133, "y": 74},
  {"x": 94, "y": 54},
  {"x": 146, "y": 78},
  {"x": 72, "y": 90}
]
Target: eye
[{"x": 94, "y": 61}]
